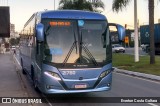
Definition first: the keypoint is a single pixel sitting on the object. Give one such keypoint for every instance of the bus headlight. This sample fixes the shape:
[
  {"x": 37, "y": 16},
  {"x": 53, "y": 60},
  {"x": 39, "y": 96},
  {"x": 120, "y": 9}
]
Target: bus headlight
[
  {"x": 105, "y": 73},
  {"x": 53, "y": 75}
]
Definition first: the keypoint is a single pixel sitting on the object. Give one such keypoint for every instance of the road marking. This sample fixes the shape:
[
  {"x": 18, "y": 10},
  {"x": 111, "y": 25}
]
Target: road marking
[
  {"x": 152, "y": 104},
  {"x": 47, "y": 100},
  {"x": 17, "y": 60},
  {"x": 136, "y": 77}
]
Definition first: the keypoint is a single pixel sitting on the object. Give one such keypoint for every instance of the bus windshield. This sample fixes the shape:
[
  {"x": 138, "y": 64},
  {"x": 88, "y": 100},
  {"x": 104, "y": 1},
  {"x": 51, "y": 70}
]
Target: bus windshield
[{"x": 76, "y": 43}]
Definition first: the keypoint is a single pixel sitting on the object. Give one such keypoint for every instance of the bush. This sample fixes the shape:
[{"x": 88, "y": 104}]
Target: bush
[{"x": 14, "y": 41}]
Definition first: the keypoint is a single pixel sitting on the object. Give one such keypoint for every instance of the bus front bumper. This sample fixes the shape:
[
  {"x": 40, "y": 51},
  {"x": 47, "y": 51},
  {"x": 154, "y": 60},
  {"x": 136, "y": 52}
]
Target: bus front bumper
[
  {"x": 55, "y": 87},
  {"x": 55, "y": 91}
]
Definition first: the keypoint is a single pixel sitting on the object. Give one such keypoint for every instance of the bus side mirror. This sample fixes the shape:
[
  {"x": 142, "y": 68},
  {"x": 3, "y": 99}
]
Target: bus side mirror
[
  {"x": 121, "y": 31},
  {"x": 40, "y": 32}
]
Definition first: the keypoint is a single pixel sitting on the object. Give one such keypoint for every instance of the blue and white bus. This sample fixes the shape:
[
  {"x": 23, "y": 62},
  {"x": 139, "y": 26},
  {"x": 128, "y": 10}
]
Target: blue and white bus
[{"x": 68, "y": 51}]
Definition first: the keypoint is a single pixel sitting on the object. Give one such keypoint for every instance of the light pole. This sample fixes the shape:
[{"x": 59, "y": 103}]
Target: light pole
[
  {"x": 54, "y": 4},
  {"x": 136, "y": 43}
]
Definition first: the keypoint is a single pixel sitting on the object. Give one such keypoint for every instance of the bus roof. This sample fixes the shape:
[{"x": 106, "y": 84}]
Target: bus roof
[{"x": 72, "y": 14}]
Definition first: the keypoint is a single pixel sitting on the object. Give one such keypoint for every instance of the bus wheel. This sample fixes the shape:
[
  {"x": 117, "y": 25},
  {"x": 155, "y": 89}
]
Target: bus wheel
[
  {"x": 23, "y": 71},
  {"x": 35, "y": 84}
]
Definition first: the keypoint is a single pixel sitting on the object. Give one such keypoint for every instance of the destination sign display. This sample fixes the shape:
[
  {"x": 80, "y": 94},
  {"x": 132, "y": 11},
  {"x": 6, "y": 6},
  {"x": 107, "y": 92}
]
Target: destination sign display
[{"x": 60, "y": 23}]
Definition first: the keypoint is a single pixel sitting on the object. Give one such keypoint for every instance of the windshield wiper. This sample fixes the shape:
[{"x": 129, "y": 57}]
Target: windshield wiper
[
  {"x": 74, "y": 45},
  {"x": 87, "y": 51}
]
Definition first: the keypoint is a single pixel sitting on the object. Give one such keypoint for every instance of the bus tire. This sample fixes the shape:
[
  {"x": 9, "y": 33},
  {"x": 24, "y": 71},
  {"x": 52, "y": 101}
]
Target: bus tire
[
  {"x": 35, "y": 83},
  {"x": 23, "y": 71}
]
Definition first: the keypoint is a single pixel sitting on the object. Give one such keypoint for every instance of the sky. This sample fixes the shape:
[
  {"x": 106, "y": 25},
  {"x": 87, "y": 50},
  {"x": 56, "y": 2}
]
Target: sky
[{"x": 21, "y": 11}]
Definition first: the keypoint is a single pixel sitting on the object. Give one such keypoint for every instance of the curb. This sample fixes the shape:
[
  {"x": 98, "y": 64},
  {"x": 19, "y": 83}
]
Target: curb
[
  {"x": 23, "y": 85},
  {"x": 137, "y": 74}
]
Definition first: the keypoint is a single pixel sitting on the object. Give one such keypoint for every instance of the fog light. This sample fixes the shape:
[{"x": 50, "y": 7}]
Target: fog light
[
  {"x": 109, "y": 84},
  {"x": 49, "y": 86}
]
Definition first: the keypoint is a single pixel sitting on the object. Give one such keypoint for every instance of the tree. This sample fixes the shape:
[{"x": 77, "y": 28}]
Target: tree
[
  {"x": 14, "y": 41},
  {"x": 118, "y": 5},
  {"x": 151, "y": 27},
  {"x": 90, "y": 5}
]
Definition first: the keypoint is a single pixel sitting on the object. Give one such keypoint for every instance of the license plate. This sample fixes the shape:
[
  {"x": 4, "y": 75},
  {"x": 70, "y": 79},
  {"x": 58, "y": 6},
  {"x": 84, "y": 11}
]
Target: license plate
[{"x": 78, "y": 86}]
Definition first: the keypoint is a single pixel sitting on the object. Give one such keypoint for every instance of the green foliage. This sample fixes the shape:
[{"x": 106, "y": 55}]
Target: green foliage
[
  {"x": 124, "y": 61},
  {"x": 89, "y": 5},
  {"x": 119, "y": 4},
  {"x": 14, "y": 41}
]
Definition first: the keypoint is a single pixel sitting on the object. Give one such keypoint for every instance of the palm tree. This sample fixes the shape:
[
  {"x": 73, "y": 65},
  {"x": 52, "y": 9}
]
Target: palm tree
[
  {"x": 90, "y": 5},
  {"x": 118, "y": 5},
  {"x": 151, "y": 25}
]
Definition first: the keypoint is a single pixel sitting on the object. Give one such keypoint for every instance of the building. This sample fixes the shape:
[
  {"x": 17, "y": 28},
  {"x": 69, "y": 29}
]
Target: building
[
  {"x": 13, "y": 33},
  {"x": 12, "y": 30}
]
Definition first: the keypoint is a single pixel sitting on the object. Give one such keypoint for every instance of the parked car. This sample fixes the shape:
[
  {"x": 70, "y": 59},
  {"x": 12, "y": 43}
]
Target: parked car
[
  {"x": 118, "y": 48},
  {"x": 13, "y": 47}
]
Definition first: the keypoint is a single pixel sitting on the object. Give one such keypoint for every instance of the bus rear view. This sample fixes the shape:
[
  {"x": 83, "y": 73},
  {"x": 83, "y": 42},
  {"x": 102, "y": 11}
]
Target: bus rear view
[{"x": 73, "y": 52}]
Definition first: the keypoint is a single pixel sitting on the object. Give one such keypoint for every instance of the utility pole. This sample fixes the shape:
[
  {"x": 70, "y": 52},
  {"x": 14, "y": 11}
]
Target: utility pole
[
  {"x": 54, "y": 4},
  {"x": 136, "y": 43}
]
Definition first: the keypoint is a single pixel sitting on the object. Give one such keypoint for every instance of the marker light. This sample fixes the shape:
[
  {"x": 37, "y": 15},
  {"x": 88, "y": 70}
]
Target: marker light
[{"x": 53, "y": 75}]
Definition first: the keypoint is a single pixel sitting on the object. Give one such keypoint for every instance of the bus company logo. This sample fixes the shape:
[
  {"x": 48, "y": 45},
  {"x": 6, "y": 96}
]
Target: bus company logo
[
  {"x": 146, "y": 34},
  {"x": 6, "y": 100}
]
